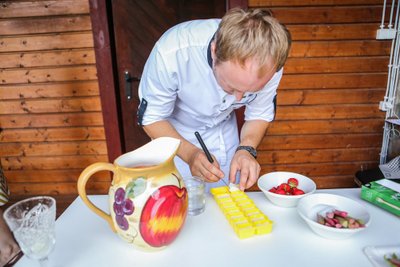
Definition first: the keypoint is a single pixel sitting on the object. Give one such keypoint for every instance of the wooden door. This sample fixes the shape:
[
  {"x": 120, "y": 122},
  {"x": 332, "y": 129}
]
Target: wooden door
[{"x": 137, "y": 25}]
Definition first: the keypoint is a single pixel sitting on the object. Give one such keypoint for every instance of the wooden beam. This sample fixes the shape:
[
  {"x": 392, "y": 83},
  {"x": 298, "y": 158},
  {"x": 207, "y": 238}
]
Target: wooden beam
[
  {"x": 53, "y": 148},
  {"x": 330, "y": 96},
  {"x": 107, "y": 81},
  {"x": 325, "y": 126},
  {"x": 329, "y": 14},
  {"x": 47, "y": 58},
  {"x": 319, "y": 155},
  {"x": 362, "y": 111},
  {"x": 318, "y": 169},
  {"x": 86, "y": 119},
  {"x": 340, "y": 48},
  {"x": 334, "y": 32},
  {"x": 315, "y": 141},
  {"x": 334, "y": 80},
  {"x": 44, "y": 25},
  {"x": 49, "y": 74},
  {"x": 52, "y": 41},
  {"x": 49, "y": 90},
  {"x": 50, "y": 163},
  {"x": 52, "y": 134},
  {"x": 336, "y": 65},
  {"x": 18, "y": 9}
]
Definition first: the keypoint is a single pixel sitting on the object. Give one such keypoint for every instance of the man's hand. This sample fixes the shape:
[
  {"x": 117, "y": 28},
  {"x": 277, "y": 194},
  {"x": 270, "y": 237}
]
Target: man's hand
[
  {"x": 201, "y": 167},
  {"x": 249, "y": 169},
  {"x": 251, "y": 134}
]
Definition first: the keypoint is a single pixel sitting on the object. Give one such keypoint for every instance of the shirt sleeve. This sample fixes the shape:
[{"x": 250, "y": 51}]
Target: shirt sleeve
[
  {"x": 263, "y": 106},
  {"x": 158, "y": 87}
]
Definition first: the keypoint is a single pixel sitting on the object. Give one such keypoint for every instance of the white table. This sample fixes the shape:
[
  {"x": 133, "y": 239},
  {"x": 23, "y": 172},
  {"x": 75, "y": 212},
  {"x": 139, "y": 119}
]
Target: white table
[{"x": 207, "y": 240}]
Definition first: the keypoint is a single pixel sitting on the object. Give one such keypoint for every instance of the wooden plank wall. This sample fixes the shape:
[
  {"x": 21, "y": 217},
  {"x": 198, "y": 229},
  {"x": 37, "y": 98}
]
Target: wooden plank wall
[
  {"x": 328, "y": 123},
  {"x": 51, "y": 124}
]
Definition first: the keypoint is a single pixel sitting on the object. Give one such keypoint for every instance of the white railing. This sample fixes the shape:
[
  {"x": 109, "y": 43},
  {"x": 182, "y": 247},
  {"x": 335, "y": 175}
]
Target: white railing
[{"x": 390, "y": 31}]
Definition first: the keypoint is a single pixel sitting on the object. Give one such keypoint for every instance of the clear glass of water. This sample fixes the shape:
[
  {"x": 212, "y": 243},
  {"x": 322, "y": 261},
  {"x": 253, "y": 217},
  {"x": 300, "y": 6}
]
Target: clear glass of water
[
  {"x": 33, "y": 223},
  {"x": 196, "y": 192}
]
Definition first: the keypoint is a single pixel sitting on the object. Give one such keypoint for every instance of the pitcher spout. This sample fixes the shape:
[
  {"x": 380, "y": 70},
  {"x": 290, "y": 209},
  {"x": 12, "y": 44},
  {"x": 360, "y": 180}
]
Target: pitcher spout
[{"x": 154, "y": 153}]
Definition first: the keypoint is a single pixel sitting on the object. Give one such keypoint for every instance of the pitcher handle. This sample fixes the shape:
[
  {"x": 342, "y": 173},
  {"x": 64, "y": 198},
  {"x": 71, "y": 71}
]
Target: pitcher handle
[{"x": 83, "y": 179}]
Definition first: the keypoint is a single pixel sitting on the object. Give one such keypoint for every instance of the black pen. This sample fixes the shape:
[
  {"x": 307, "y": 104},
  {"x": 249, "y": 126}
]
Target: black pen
[
  {"x": 205, "y": 149},
  {"x": 203, "y": 146}
]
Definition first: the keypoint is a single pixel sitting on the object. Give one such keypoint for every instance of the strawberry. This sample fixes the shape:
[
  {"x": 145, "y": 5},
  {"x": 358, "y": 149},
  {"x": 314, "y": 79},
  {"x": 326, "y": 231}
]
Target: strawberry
[
  {"x": 273, "y": 190},
  {"x": 284, "y": 186},
  {"x": 293, "y": 190},
  {"x": 280, "y": 192},
  {"x": 297, "y": 191},
  {"x": 293, "y": 182}
]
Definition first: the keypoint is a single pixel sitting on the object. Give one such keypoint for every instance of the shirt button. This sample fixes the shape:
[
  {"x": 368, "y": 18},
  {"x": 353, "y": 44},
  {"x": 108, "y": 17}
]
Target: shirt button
[{"x": 223, "y": 101}]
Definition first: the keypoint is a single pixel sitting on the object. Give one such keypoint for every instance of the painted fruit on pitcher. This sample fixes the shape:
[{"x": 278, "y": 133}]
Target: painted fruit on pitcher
[
  {"x": 122, "y": 206},
  {"x": 163, "y": 215}
]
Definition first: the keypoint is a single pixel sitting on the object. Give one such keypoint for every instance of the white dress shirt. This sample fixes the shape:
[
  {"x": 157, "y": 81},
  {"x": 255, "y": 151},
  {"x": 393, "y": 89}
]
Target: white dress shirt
[{"x": 178, "y": 85}]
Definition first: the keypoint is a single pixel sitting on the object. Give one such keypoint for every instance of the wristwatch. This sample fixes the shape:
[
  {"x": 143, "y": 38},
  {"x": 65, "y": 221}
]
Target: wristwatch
[{"x": 249, "y": 149}]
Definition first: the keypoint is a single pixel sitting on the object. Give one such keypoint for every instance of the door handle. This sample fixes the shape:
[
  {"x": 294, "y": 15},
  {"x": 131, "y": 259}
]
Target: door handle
[{"x": 128, "y": 84}]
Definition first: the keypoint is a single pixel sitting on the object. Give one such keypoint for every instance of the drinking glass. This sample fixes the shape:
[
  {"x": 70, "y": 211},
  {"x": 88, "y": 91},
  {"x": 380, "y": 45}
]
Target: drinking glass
[
  {"x": 195, "y": 187},
  {"x": 33, "y": 223}
]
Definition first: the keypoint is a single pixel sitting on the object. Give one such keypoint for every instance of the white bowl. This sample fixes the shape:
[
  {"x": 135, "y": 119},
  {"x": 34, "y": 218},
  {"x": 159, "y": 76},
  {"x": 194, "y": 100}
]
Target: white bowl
[
  {"x": 272, "y": 179},
  {"x": 309, "y": 207}
]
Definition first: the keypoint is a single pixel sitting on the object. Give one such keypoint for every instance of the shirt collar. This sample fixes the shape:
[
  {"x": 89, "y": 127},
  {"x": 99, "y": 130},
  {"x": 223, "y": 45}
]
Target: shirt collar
[{"x": 209, "y": 57}]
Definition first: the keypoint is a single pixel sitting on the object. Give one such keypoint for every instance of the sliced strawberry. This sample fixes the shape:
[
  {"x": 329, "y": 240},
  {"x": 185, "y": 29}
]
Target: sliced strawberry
[{"x": 293, "y": 182}]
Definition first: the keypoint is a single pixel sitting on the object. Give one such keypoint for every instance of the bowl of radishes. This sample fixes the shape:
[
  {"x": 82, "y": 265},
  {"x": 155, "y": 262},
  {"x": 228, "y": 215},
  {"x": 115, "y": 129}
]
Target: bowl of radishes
[
  {"x": 333, "y": 216},
  {"x": 285, "y": 189}
]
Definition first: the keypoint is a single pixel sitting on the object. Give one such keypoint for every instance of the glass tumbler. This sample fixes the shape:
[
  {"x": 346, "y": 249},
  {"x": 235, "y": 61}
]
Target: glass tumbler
[
  {"x": 196, "y": 193},
  {"x": 33, "y": 223}
]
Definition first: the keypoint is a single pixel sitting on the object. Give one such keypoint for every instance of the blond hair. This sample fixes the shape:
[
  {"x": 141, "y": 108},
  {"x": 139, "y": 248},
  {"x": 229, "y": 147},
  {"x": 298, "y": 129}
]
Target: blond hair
[{"x": 255, "y": 34}]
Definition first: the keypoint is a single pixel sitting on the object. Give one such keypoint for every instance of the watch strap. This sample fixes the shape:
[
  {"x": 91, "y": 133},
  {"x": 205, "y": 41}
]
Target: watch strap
[{"x": 249, "y": 149}]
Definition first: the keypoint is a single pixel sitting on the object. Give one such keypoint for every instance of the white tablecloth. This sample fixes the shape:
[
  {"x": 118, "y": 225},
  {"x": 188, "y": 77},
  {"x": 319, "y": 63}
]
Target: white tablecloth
[{"x": 207, "y": 240}]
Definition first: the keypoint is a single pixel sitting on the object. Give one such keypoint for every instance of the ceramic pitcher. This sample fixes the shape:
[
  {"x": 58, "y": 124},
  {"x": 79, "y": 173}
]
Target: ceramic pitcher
[{"x": 147, "y": 198}]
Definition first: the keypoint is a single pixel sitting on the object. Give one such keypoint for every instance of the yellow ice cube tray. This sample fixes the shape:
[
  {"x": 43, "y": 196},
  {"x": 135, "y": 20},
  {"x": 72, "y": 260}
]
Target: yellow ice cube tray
[{"x": 241, "y": 212}]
